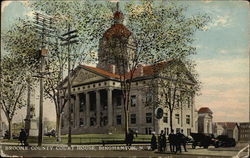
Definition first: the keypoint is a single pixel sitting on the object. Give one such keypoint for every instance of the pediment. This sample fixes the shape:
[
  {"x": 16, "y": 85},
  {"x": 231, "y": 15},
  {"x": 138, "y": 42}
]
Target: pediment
[
  {"x": 84, "y": 76},
  {"x": 174, "y": 70}
]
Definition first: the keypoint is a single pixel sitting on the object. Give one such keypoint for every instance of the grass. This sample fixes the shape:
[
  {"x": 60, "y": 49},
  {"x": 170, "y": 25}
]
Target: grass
[{"x": 86, "y": 139}]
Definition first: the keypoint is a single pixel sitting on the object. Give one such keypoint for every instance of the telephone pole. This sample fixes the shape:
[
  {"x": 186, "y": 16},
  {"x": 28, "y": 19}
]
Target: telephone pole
[
  {"x": 43, "y": 25},
  {"x": 69, "y": 38}
]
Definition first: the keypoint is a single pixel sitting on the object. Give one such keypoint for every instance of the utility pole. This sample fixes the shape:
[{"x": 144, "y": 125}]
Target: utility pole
[
  {"x": 69, "y": 38},
  {"x": 43, "y": 26}
]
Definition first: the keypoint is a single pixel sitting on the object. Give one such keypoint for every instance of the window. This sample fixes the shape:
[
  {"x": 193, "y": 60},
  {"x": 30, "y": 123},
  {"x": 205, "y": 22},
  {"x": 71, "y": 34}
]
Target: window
[
  {"x": 188, "y": 131},
  {"x": 119, "y": 100},
  {"x": 177, "y": 117},
  {"x": 82, "y": 102},
  {"x": 92, "y": 121},
  {"x": 72, "y": 108},
  {"x": 133, "y": 101},
  {"x": 165, "y": 117},
  {"x": 178, "y": 100},
  {"x": 118, "y": 119},
  {"x": 148, "y": 130},
  {"x": 178, "y": 130},
  {"x": 81, "y": 122},
  {"x": 149, "y": 99},
  {"x": 189, "y": 101},
  {"x": 133, "y": 118},
  {"x": 148, "y": 117},
  {"x": 188, "y": 119}
]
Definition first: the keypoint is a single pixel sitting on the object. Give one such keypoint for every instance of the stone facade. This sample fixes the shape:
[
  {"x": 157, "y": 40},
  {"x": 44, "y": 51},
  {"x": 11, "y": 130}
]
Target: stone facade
[
  {"x": 205, "y": 120},
  {"x": 97, "y": 100},
  {"x": 98, "y": 107}
]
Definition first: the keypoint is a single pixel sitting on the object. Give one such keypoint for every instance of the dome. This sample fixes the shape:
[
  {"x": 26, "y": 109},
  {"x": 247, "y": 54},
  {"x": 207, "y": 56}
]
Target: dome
[
  {"x": 117, "y": 30},
  {"x": 205, "y": 110}
]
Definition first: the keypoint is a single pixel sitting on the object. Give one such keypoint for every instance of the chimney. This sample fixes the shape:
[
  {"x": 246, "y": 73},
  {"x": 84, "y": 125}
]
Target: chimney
[
  {"x": 112, "y": 68},
  {"x": 140, "y": 70}
]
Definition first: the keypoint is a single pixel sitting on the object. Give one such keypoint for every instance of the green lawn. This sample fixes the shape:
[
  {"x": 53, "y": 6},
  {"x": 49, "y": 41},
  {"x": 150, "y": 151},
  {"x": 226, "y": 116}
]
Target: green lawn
[{"x": 86, "y": 139}]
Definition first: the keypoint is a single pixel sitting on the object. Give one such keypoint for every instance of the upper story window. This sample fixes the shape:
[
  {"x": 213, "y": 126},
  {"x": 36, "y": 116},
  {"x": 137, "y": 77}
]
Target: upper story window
[
  {"x": 165, "y": 117},
  {"x": 133, "y": 101},
  {"x": 133, "y": 118},
  {"x": 188, "y": 119},
  {"x": 177, "y": 117},
  {"x": 118, "y": 119},
  {"x": 149, "y": 99}
]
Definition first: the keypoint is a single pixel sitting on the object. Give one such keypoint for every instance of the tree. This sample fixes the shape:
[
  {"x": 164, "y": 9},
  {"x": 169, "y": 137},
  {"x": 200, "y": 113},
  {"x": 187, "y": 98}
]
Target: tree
[
  {"x": 159, "y": 32},
  {"x": 89, "y": 19},
  {"x": 177, "y": 83},
  {"x": 13, "y": 87}
]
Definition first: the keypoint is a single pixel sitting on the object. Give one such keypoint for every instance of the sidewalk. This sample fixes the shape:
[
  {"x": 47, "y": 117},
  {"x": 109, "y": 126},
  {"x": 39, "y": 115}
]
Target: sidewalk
[{"x": 62, "y": 150}]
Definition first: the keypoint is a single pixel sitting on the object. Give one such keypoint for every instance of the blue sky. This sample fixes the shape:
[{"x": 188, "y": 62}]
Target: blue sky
[{"x": 222, "y": 58}]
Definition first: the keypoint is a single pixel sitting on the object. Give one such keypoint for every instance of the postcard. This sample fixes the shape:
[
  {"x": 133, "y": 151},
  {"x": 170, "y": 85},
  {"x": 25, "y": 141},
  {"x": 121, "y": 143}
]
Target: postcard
[{"x": 120, "y": 78}]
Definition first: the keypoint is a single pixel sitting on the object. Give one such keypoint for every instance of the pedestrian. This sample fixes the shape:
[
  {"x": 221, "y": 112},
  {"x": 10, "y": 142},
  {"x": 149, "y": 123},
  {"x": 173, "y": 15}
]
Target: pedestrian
[
  {"x": 178, "y": 138},
  {"x": 160, "y": 141},
  {"x": 136, "y": 133},
  {"x": 23, "y": 137},
  {"x": 164, "y": 141},
  {"x": 153, "y": 142},
  {"x": 171, "y": 141},
  {"x": 129, "y": 138},
  {"x": 183, "y": 140}
]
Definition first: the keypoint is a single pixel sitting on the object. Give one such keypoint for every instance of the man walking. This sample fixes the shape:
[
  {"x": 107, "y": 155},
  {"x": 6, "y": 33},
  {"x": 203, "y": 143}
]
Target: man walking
[
  {"x": 178, "y": 142},
  {"x": 183, "y": 140},
  {"x": 153, "y": 141},
  {"x": 171, "y": 141}
]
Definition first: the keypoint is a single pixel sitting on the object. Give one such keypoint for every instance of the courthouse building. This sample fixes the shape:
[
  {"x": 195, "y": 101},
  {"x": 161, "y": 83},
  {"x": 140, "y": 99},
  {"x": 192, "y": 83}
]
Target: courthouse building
[{"x": 97, "y": 105}]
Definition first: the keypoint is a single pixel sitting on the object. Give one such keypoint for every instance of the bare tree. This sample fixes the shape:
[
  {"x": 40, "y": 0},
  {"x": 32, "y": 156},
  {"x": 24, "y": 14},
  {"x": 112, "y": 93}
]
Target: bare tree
[{"x": 178, "y": 83}]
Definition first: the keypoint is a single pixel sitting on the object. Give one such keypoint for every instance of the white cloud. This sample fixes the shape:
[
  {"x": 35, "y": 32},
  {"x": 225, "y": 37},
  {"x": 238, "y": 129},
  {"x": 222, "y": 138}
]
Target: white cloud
[
  {"x": 220, "y": 22},
  {"x": 4, "y": 5},
  {"x": 30, "y": 13},
  {"x": 223, "y": 51}
]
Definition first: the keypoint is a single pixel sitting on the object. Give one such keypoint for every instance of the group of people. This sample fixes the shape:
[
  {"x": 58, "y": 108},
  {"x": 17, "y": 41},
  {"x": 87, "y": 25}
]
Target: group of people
[{"x": 175, "y": 141}]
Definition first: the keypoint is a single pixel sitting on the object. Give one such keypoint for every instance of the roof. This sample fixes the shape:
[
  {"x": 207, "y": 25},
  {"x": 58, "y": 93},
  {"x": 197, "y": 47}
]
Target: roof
[
  {"x": 228, "y": 125},
  {"x": 152, "y": 69},
  {"x": 101, "y": 71},
  {"x": 117, "y": 30},
  {"x": 205, "y": 110},
  {"x": 148, "y": 71}
]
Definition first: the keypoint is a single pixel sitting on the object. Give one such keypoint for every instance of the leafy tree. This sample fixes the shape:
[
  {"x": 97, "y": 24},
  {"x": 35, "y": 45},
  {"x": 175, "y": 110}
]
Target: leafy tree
[
  {"x": 13, "y": 87},
  {"x": 89, "y": 19},
  {"x": 160, "y": 31}
]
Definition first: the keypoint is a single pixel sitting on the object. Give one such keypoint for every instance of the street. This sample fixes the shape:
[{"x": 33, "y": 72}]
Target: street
[{"x": 109, "y": 151}]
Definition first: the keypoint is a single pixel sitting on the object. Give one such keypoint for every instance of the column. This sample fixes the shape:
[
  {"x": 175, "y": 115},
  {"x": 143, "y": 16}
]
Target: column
[
  {"x": 98, "y": 108},
  {"x": 77, "y": 111},
  {"x": 140, "y": 116},
  {"x": 110, "y": 107},
  {"x": 87, "y": 110},
  {"x": 192, "y": 106}
]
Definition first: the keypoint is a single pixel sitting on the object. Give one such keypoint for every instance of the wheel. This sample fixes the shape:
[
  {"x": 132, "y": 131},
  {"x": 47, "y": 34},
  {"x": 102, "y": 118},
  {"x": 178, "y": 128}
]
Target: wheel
[{"x": 193, "y": 145}]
